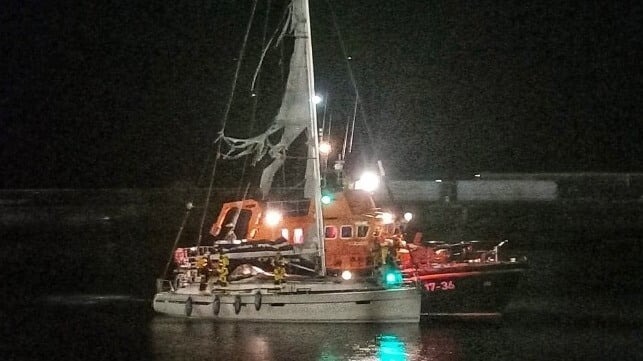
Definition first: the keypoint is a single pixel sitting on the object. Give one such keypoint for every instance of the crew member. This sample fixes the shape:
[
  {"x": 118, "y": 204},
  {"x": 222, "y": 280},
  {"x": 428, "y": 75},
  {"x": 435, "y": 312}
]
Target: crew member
[
  {"x": 222, "y": 270},
  {"x": 279, "y": 270},
  {"x": 204, "y": 269}
]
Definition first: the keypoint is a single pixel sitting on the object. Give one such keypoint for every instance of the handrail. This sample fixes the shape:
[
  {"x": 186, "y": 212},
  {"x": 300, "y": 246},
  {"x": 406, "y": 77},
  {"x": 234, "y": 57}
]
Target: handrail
[{"x": 163, "y": 285}]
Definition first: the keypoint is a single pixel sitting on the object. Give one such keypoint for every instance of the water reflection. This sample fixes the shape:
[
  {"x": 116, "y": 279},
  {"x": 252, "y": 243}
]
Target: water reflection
[
  {"x": 129, "y": 331},
  {"x": 199, "y": 339},
  {"x": 391, "y": 348}
]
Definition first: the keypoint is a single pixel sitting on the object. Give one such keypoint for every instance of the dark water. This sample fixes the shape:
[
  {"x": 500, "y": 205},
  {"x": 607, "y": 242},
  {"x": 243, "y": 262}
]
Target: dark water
[
  {"x": 72, "y": 298},
  {"x": 126, "y": 330}
]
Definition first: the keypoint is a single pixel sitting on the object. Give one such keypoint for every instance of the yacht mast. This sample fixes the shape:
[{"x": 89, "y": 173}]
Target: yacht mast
[{"x": 302, "y": 7}]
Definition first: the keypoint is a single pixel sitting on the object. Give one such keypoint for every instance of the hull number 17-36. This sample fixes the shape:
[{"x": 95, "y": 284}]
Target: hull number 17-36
[{"x": 439, "y": 286}]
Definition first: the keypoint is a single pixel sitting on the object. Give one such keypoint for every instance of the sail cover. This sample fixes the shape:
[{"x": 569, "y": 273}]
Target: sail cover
[{"x": 294, "y": 115}]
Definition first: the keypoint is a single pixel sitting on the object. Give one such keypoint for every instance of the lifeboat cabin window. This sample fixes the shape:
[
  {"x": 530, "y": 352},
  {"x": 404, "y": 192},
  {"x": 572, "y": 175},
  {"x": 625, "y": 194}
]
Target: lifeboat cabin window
[
  {"x": 285, "y": 233},
  {"x": 347, "y": 231},
  {"x": 330, "y": 232},
  {"x": 362, "y": 231},
  {"x": 298, "y": 236},
  {"x": 239, "y": 229}
]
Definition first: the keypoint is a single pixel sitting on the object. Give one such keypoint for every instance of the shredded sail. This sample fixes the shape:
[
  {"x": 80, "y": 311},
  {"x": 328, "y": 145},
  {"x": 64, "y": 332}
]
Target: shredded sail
[{"x": 293, "y": 117}]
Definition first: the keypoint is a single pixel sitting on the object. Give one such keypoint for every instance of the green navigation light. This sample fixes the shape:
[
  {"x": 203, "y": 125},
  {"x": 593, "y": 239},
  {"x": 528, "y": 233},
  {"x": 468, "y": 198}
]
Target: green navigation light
[
  {"x": 326, "y": 199},
  {"x": 392, "y": 277}
]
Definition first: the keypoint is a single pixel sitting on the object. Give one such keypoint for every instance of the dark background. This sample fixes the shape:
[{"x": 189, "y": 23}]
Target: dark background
[{"x": 131, "y": 94}]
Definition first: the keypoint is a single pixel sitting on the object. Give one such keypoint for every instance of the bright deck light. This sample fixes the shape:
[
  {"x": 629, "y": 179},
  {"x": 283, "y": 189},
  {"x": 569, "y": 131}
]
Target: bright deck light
[
  {"x": 317, "y": 99},
  {"x": 324, "y": 148},
  {"x": 369, "y": 182},
  {"x": 347, "y": 275},
  {"x": 408, "y": 216},
  {"x": 387, "y": 218},
  {"x": 273, "y": 218}
]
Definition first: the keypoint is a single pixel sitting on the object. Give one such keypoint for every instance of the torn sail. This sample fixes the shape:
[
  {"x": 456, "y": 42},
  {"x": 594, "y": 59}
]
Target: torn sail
[{"x": 293, "y": 117}]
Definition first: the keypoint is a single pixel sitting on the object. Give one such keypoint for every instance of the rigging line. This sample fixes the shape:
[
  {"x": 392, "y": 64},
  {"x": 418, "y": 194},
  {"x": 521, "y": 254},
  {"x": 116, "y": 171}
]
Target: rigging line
[
  {"x": 242, "y": 52},
  {"x": 208, "y": 197},
  {"x": 321, "y": 131},
  {"x": 176, "y": 240},
  {"x": 253, "y": 115},
  {"x": 352, "y": 78},
  {"x": 192, "y": 192},
  {"x": 235, "y": 79},
  {"x": 350, "y": 146},
  {"x": 345, "y": 139},
  {"x": 267, "y": 46},
  {"x": 255, "y": 79},
  {"x": 357, "y": 96},
  {"x": 255, "y": 100}
]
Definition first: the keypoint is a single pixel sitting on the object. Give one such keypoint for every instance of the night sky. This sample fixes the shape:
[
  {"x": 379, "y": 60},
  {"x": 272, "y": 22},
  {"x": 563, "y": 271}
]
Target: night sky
[{"x": 131, "y": 93}]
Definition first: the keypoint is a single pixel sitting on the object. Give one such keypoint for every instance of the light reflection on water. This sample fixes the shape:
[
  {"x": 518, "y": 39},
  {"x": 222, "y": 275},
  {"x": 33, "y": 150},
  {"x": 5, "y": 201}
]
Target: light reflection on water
[
  {"x": 115, "y": 329},
  {"x": 390, "y": 348},
  {"x": 201, "y": 339}
]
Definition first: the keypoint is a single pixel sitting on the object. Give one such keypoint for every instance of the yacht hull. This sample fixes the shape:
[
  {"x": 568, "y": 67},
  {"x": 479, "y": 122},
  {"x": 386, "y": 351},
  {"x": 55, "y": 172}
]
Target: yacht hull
[{"x": 400, "y": 305}]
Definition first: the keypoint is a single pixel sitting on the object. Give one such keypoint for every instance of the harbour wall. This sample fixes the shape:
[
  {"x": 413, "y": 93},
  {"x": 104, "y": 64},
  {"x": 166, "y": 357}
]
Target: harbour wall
[
  {"x": 80, "y": 237},
  {"x": 529, "y": 209}
]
